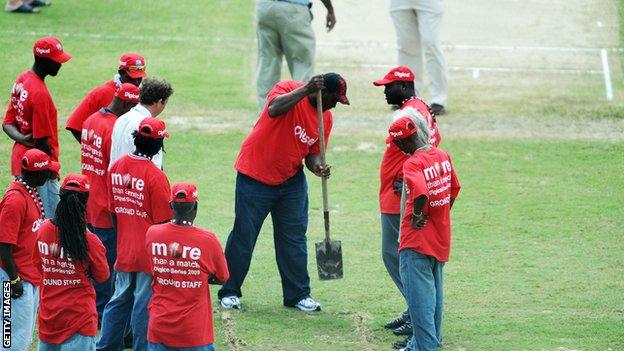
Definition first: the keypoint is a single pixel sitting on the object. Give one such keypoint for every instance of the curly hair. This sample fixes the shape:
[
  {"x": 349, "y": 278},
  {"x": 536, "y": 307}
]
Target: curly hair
[{"x": 154, "y": 89}]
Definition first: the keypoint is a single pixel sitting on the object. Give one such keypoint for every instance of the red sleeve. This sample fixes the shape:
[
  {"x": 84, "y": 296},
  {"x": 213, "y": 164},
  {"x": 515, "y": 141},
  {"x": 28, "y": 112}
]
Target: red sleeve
[
  {"x": 12, "y": 214},
  {"x": 414, "y": 180},
  {"x": 328, "y": 123},
  {"x": 41, "y": 120},
  {"x": 218, "y": 261},
  {"x": 9, "y": 116},
  {"x": 160, "y": 194},
  {"x": 97, "y": 259},
  {"x": 86, "y": 108}
]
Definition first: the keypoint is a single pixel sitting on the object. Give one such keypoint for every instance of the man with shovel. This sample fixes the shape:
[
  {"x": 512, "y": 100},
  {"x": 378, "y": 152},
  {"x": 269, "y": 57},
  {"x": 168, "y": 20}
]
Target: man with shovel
[{"x": 270, "y": 179}]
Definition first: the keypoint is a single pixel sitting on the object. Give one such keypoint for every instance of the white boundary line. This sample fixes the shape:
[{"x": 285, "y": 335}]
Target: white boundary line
[{"x": 607, "y": 74}]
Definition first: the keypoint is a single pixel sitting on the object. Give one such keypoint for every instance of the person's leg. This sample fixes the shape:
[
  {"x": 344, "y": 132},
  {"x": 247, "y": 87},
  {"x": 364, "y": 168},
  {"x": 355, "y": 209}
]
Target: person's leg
[
  {"x": 390, "y": 247},
  {"x": 419, "y": 286},
  {"x": 44, "y": 346},
  {"x": 78, "y": 342},
  {"x": 117, "y": 313},
  {"x": 409, "y": 44},
  {"x": 298, "y": 40},
  {"x": 142, "y": 295},
  {"x": 269, "y": 62},
  {"x": 104, "y": 291},
  {"x": 23, "y": 312},
  {"x": 290, "y": 223},
  {"x": 429, "y": 27},
  {"x": 49, "y": 194},
  {"x": 252, "y": 205},
  {"x": 162, "y": 347},
  {"x": 438, "y": 274}
]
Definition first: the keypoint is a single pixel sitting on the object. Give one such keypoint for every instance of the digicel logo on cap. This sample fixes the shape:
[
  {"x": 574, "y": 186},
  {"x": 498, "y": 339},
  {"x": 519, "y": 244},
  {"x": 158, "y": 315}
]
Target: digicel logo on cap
[
  {"x": 162, "y": 132},
  {"x": 396, "y": 134},
  {"x": 401, "y": 74},
  {"x": 42, "y": 50},
  {"x": 130, "y": 95},
  {"x": 41, "y": 164}
]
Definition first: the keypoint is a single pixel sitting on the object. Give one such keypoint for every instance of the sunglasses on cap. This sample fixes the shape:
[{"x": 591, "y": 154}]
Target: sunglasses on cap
[{"x": 135, "y": 68}]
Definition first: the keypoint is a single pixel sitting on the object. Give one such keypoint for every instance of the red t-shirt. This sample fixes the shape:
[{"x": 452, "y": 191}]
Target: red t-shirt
[
  {"x": 100, "y": 96},
  {"x": 429, "y": 173},
  {"x": 67, "y": 297},
  {"x": 96, "y": 145},
  {"x": 182, "y": 258},
  {"x": 273, "y": 151},
  {"x": 393, "y": 158},
  {"x": 139, "y": 195},
  {"x": 31, "y": 110},
  {"x": 20, "y": 218}
]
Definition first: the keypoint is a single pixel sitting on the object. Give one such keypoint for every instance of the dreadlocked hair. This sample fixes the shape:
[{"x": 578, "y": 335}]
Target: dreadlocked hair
[
  {"x": 147, "y": 146},
  {"x": 70, "y": 219}
]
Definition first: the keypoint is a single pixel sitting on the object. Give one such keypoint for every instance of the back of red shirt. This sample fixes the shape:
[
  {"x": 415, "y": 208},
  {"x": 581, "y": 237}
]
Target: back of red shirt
[
  {"x": 393, "y": 158},
  {"x": 139, "y": 195},
  {"x": 67, "y": 297},
  {"x": 96, "y": 145},
  {"x": 273, "y": 151},
  {"x": 100, "y": 96},
  {"x": 20, "y": 218},
  {"x": 32, "y": 111},
  {"x": 182, "y": 258},
  {"x": 430, "y": 173}
]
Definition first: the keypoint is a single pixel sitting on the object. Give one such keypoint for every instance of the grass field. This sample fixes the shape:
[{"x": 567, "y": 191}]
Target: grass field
[{"x": 538, "y": 250}]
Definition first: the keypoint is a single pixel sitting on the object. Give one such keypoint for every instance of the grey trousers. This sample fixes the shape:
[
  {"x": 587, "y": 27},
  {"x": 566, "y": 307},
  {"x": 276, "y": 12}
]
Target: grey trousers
[
  {"x": 390, "y": 225},
  {"x": 284, "y": 30},
  {"x": 418, "y": 32}
]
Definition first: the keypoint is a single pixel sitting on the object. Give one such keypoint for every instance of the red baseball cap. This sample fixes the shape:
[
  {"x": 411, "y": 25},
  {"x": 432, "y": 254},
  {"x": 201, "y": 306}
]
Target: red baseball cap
[
  {"x": 134, "y": 64},
  {"x": 76, "y": 182},
  {"x": 35, "y": 160},
  {"x": 397, "y": 74},
  {"x": 184, "y": 192},
  {"x": 51, "y": 48},
  {"x": 128, "y": 92},
  {"x": 153, "y": 128},
  {"x": 334, "y": 83},
  {"x": 402, "y": 128}
]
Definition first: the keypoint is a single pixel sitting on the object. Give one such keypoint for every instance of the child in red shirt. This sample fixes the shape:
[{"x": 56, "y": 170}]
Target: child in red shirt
[
  {"x": 184, "y": 259},
  {"x": 67, "y": 255}
]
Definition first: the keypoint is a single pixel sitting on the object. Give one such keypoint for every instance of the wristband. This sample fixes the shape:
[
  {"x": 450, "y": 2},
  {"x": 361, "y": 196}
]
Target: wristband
[{"x": 16, "y": 280}]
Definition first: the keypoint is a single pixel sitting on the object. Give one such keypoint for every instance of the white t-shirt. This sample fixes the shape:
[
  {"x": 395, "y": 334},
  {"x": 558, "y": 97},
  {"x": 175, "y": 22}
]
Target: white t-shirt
[{"x": 122, "y": 141}]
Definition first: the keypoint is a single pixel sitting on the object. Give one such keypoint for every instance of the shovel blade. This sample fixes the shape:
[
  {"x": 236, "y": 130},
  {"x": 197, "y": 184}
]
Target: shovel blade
[{"x": 329, "y": 259}]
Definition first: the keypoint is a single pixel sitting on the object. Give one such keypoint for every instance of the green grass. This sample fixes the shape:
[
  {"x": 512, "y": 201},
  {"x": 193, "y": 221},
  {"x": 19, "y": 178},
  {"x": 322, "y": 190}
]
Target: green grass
[{"x": 537, "y": 254}]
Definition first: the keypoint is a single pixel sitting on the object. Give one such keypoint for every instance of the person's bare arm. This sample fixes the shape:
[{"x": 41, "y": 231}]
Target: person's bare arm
[
  {"x": 77, "y": 135},
  {"x": 284, "y": 103},
  {"x": 6, "y": 255},
  {"x": 13, "y": 133},
  {"x": 330, "y": 19}
]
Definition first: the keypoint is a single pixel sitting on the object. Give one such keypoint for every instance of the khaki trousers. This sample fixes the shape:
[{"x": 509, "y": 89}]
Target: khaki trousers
[
  {"x": 418, "y": 32},
  {"x": 283, "y": 29},
  {"x": 12, "y": 5}
]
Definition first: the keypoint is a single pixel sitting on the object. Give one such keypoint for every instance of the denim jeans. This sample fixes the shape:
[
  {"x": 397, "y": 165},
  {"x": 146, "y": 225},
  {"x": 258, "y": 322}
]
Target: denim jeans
[
  {"x": 49, "y": 194},
  {"x": 288, "y": 205},
  {"x": 104, "y": 291},
  {"x": 163, "y": 347},
  {"x": 75, "y": 343},
  {"x": 129, "y": 302},
  {"x": 23, "y": 315},
  {"x": 423, "y": 282}
]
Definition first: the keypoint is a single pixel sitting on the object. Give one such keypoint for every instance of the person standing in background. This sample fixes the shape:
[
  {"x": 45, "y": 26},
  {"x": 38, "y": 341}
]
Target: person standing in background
[
  {"x": 284, "y": 28},
  {"x": 25, "y": 6},
  {"x": 418, "y": 24}
]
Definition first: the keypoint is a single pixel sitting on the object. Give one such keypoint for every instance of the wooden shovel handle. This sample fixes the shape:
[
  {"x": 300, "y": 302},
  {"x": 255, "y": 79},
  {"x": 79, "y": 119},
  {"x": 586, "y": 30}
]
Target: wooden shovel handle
[{"x": 321, "y": 127}]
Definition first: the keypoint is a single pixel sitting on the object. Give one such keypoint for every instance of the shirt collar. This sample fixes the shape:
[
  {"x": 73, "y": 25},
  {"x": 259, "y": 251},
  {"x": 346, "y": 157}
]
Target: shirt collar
[{"x": 142, "y": 110}]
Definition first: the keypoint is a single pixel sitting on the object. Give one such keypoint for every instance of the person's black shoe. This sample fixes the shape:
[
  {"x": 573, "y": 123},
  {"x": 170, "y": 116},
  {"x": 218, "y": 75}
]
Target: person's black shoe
[
  {"x": 397, "y": 345},
  {"x": 437, "y": 109},
  {"x": 25, "y": 9},
  {"x": 399, "y": 321},
  {"x": 40, "y": 3},
  {"x": 405, "y": 329}
]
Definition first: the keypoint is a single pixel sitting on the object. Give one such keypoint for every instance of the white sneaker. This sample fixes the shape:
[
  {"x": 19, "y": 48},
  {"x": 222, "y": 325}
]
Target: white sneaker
[
  {"x": 231, "y": 302},
  {"x": 308, "y": 305}
]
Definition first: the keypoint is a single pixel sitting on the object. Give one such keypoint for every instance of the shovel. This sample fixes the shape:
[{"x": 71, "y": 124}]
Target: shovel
[{"x": 328, "y": 252}]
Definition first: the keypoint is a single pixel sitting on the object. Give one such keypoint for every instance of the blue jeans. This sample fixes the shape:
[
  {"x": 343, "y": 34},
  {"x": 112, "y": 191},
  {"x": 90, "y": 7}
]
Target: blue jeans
[
  {"x": 423, "y": 283},
  {"x": 163, "y": 347},
  {"x": 288, "y": 205},
  {"x": 49, "y": 194},
  {"x": 129, "y": 302},
  {"x": 23, "y": 314},
  {"x": 104, "y": 291},
  {"x": 75, "y": 343}
]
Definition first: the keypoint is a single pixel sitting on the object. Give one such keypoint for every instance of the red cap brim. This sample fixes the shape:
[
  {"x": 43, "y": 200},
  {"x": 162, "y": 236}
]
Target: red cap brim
[
  {"x": 381, "y": 82},
  {"x": 61, "y": 57},
  {"x": 344, "y": 100},
  {"x": 136, "y": 74},
  {"x": 54, "y": 166}
]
